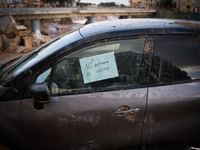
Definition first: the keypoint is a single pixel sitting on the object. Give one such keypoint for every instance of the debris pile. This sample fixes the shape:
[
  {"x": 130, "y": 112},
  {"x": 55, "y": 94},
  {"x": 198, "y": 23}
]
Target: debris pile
[{"x": 16, "y": 38}]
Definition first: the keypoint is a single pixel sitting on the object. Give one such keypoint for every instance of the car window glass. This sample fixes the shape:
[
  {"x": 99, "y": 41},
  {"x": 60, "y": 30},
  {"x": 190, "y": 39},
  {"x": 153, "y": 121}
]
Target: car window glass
[
  {"x": 178, "y": 61},
  {"x": 43, "y": 77},
  {"x": 101, "y": 66}
]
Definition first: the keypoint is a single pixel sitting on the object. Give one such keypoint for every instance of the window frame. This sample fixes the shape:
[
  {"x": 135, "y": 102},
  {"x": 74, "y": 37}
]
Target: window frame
[
  {"x": 146, "y": 57},
  {"x": 143, "y": 75}
]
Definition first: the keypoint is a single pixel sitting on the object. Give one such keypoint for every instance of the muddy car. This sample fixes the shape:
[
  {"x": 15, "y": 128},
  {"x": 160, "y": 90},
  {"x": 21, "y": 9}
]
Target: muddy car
[{"x": 123, "y": 84}]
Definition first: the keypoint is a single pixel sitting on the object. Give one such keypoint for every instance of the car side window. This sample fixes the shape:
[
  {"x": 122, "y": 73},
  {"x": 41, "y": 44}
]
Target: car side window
[
  {"x": 176, "y": 59},
  {"x": 101, "y": 66},
  {"x": 44, "y": 76}
]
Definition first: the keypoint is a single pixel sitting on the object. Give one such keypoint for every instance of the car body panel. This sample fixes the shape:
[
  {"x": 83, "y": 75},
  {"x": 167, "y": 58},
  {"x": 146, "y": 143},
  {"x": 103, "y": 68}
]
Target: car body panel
[
  {"x": 85, "y": 121},
  {"x": 10, "y": 124},
  {"x": 81, "y": 121},
  {"x": 173, "y": 114},
  {"x": 172, "y": 117}
]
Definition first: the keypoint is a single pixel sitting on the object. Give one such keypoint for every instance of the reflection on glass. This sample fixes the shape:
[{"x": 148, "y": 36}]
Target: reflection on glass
[
  {"x": 68, "y": 75},
  {"x": 179, "y": 61},
  {"x": 42, "y": 77}
]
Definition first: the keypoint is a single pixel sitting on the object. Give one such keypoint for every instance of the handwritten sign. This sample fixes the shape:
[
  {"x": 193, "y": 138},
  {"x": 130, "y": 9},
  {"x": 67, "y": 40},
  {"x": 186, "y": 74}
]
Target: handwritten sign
[{"x": 99, "y": 67}]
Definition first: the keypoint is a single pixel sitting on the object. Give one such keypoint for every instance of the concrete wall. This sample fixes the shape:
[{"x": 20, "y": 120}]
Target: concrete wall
[
  {"x": 35, "y": 10},
  {"x": 44, "y": 13},
  {"x": 66, "y": 9}
]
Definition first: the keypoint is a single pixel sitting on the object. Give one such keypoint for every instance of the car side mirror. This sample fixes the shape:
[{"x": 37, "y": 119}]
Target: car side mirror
[{"x": 40, "y": 93}]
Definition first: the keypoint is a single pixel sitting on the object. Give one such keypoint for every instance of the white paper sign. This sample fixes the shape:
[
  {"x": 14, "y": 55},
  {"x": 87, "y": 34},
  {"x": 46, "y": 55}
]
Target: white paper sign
[{"x": 99, "y": 67}]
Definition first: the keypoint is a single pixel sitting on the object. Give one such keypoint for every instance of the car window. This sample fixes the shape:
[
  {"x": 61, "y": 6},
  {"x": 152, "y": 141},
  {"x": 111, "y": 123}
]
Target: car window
[
  {"x": 177, "y": 59},
  {"x": 101, "y": 66},
  {"x": 43, "y": 76}
]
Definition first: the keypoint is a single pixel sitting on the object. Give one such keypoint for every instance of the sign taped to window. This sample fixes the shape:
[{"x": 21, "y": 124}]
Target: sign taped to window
[{"x": 99, "y": 67}]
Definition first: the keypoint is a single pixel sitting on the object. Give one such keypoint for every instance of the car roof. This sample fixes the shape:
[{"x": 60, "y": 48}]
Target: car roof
[{"x": 142, "y": 26}]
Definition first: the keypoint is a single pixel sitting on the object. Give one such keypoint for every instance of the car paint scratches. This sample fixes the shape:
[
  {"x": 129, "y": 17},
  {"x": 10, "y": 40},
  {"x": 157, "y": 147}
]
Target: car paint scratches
[
  {"x": 92, "y": 119},
  {"x": 130, "y": 118},
  {"x": 153, "y": 126},
  {"x": 149, "y": 120},
  {"x": 119, "y": 94}
]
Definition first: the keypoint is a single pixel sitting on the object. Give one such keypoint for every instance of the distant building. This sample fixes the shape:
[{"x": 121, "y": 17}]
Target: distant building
[
  {"x": 190, "y": 6},
  {"x": 181, "y": 5},
  {"x": 149, "y": 3},
  {"x": 135, "y": 3},
  {"x": 10, "y": 3},
  {"x": 185, "y": 5},
  {"x": 20, "y": 3},
  {"x": 31, "y": 3},
  {"x": 195, "y": 6}
]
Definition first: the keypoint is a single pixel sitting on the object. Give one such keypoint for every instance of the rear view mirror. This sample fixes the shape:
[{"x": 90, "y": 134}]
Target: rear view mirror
[{"x": 40, "y": 93}]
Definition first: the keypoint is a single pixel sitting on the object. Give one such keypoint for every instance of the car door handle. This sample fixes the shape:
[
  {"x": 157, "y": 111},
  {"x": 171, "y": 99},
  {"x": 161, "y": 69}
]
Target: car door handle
[{"x": 125, "y": 112}]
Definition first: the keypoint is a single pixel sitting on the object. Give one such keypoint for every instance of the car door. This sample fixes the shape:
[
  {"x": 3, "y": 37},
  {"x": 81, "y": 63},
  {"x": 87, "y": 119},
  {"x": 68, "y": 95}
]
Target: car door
[
  {"x": 98, "y": 97},
  {"x": 172, "y": 118}
]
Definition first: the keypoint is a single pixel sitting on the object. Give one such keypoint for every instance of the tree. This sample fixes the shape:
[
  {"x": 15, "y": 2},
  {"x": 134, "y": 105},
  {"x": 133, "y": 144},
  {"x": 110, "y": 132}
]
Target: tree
[
  {"x": 108, "y": 4},
  {"x": 122, "y": 5},
  {"x": 167, "y": 4},
  {"x": 83, "y": 4},
  {"x": 157, "y": 4},
  {"x": 54, "y": 1}
]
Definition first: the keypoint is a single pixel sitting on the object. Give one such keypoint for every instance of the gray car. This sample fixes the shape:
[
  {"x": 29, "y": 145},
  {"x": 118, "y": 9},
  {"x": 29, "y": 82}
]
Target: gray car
[{"x": 112, "y": 85}]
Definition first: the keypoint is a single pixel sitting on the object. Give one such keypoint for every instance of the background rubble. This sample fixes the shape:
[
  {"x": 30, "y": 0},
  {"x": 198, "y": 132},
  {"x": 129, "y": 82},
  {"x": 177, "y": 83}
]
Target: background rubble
[{"x": 14, "y": 42}]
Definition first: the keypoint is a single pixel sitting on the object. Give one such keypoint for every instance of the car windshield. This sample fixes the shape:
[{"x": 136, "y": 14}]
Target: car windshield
[{"x": 27, "y": 61}]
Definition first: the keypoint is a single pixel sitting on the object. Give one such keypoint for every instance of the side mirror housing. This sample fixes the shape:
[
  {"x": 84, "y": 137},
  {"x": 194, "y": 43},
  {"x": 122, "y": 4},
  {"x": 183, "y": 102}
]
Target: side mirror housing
[{"x": 40, "y": 93}]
